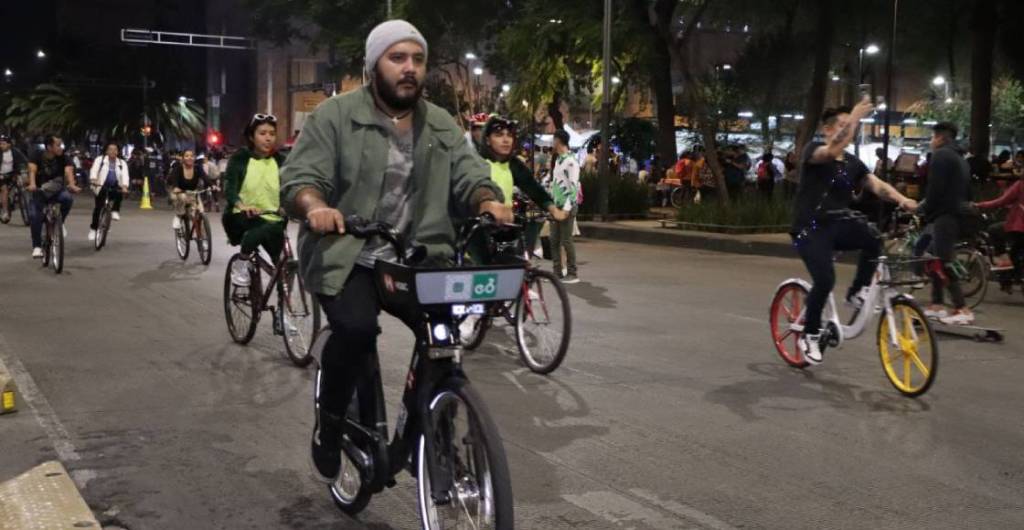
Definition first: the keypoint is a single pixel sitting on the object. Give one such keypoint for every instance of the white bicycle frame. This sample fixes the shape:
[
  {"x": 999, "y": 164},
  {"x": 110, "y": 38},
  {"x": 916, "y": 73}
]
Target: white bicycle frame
[{"x": 877, "y": 292}]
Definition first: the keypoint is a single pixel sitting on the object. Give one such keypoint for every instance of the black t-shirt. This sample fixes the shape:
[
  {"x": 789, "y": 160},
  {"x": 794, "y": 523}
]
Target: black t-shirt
[
  {"x": 830, "y": 185},
  {"x": 49, "y": 168}
]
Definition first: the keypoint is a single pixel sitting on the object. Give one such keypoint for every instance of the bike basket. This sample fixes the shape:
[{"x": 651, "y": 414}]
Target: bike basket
[{"x": 468, "y": 285}]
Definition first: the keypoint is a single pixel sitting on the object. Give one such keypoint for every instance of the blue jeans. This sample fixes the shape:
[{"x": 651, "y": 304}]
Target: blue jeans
[{"x": 36, "y": 216}]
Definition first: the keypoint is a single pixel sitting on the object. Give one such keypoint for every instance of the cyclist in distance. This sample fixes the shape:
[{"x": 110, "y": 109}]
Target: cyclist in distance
[
  {"x": 252, "y": 186},
  {"x": 822, "y": 224},
  {"x": 108, "y": 177},
  {"x": 12, "y": 163},
  {"x": 51, "y": 176},
  {"x": 384, "y": 153}
]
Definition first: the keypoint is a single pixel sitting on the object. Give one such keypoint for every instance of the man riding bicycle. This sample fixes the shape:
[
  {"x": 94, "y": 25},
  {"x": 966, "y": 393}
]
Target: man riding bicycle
[
  {"x": 45, "y": 171},
  {"x": 383, "y": 153},
  {"x": 829, "y": 177},
  {"x": 12, "y": 164}
]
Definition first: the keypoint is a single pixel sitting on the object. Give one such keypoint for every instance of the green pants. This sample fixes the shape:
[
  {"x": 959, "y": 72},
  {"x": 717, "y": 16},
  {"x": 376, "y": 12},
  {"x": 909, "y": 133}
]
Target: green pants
[
  {"x": 561, "y": 238},
  {"x": 253, "y": 232}
]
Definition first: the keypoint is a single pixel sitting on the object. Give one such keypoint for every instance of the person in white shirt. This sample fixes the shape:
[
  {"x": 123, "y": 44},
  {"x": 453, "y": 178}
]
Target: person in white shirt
[
  {"x": 108, "y": 177},
  {"x": 565, "y": 184}
]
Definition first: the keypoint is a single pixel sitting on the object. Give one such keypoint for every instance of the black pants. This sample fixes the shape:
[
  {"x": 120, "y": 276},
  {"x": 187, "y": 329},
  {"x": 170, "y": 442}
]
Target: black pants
[
  {"x": 766, "y": 187},
  {"x": 101, "y": 198},
  {"x": 353, "y": 317},
  {"x": 816, "y": 250},
  {"x": 940, "y": 237}
]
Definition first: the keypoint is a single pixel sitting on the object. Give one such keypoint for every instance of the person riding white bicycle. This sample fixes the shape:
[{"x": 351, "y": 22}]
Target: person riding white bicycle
[
  {"x": 385, "y": 154},
  {"x": 821, "y": 226}
]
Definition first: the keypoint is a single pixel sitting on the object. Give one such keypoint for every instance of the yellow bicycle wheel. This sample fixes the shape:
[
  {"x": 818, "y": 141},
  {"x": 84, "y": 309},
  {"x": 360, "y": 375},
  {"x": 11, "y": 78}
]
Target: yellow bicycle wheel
[{"x": 906, "y": 343}]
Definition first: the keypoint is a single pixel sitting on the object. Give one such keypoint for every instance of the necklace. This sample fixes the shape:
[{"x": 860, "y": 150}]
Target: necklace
[{"x": 394, "y": 118}]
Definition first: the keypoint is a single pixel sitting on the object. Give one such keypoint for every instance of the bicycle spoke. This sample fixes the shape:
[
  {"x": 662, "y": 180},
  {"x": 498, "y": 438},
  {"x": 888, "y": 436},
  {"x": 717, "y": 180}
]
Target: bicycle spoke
[
  {"x": 917, "y": 361},
  {"x": 906, "y": 371}
]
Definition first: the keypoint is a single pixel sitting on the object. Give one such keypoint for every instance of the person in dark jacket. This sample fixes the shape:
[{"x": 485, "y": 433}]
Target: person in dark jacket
[
  {"x": 509, "y": 173},
  {"x": 12, "y": 164},
  {"x": 948, "y": 182},
  {"x": 252, "y": 189},
  {"x": 183, "y": 178}
]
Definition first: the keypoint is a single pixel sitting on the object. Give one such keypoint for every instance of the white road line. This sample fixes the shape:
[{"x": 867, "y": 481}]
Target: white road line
[
  {"x": 683, "y": 510},
  {"x": 512, "y": 377},
  {"x": 623, "y": 511},
  {"x": 44, "y": 413}
]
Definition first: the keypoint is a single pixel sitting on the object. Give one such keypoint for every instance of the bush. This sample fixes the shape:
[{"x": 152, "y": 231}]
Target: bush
[
  {"x": 626, "y": 196},
  {"x": 749, "y": 212}
]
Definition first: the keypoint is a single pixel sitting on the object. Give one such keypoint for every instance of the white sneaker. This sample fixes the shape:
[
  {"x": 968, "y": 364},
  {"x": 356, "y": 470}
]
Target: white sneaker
[
  {"x": 37, "y": 253},
  {"x": 936, "y": 313},
  {"x": 856, "y": 300},
  {"x": 115, "y": 216},
  {"x": 810, "y": 347},
  {"x": 239, "y": 273},
  {"x": 534, "y": 295},
  {"x": 959, "y": 318},
  {"x": 467, "y": 326},
  {"x": 92, "y": 235},
  {"x": 176, "y": 223}
]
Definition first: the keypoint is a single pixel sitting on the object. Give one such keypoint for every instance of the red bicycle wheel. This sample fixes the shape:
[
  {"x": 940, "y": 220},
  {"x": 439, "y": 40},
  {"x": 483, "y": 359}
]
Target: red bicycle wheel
[{"x": 787, "y": 306}]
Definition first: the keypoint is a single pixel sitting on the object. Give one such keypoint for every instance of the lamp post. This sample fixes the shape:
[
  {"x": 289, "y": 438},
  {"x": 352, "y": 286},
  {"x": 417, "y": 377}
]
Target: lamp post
[
  {"x": 941, "y": 81},
  {"x": 606, "y": 111},
  {"x": 870, "y": 49}
]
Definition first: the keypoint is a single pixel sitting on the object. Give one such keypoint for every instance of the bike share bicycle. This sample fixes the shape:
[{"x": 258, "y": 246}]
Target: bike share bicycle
[
  {"x": 296, "y": 315},
  {"x": 444, "y": 435},
  {"x": 195, "y": 226},
  {"x": 906, "y": 342},
  {"x": 540, "y": 314}
]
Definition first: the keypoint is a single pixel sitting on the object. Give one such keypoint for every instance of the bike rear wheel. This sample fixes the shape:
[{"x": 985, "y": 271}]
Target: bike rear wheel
[
  {"x": 181, "y": 238},
  {"x": 975, "y": 281},
  {"x": 787, "y": 306},
  {"x": 104, "y": 227},
  {"x": 468, "y": 448},
  {"x": 204, "y": 240},
  {"x": 300, "y": 314},
  {"x": 543, "y": 322},
  {"x": 906, "y": 344},
  {"x": 241, "y": 309},
  {"x": 678, "y": 197}
]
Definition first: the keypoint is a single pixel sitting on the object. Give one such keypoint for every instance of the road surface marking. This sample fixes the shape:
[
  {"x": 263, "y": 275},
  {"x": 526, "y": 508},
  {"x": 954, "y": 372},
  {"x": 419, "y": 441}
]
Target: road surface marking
[
  {"x": 44, "y": 413},
  {"x": 515, "y": 381},
  {"x": 623, "y": 511},
  {"x": 677, "y": 508}
]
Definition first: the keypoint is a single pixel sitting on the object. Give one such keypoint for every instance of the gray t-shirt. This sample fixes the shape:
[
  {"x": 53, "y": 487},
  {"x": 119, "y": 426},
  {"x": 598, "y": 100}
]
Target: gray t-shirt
[{"x": 395, "y": 205}]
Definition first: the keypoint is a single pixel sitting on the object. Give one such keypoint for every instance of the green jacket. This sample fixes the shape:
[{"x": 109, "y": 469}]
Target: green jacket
[
  {"x": 234, "y": 175},
  {"x": 343, "y": 153}
]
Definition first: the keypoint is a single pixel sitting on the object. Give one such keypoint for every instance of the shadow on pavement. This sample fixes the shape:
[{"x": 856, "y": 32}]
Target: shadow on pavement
[
  {"x": 592, "y": 294},
  {"x": 168, "y": 271},
  {"x": 779, "y": 381}
]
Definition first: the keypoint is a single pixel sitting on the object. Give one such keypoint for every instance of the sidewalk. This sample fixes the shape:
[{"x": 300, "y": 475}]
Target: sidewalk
[{"x": 650, "y": 232}]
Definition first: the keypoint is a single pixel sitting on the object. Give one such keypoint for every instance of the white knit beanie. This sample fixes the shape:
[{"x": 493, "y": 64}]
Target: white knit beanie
[{"x": 386, "y": 35}]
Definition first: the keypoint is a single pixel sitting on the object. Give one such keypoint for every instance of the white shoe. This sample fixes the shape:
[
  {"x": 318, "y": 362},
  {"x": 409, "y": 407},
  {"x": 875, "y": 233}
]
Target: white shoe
[
  {"x": 92, "y": 235},
  {"x": 239, "y": 273},
  {"x": 115, "y": 216},
  {"x": 467, "y": 326},
  {"x": 936, "y": 313},
  {"x": 534, "y": 295},
  {"x": 810, "y": 347},
  {"x": 176, "y": 223},
  {"x": 959, "y": 318},
  {"x": 37, "y": 253},
  {"x": 856, "y": 300}
]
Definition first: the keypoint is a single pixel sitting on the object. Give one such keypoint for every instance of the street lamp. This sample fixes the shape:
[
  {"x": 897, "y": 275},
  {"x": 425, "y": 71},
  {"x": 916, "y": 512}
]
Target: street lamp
[
  {"x": 616, "y": 80},
  {"x": 182, "y": 100},
  {"x": 941, "y": 81},
  {"x": 40, "y": 54},
  {"x": 478, "y": 71},
  {"x": 8, "y": 72},
  {"x": 727, "y": 67},
  {"x": 872, "y": 49},
  {"x": 506, "y": 88},
  {"x": 470, "y": 56}
]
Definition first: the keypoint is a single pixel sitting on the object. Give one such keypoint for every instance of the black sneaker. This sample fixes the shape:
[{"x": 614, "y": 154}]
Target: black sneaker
[
  {"x": 325, "y": 451},
  {"x": 570, "y": 278}
]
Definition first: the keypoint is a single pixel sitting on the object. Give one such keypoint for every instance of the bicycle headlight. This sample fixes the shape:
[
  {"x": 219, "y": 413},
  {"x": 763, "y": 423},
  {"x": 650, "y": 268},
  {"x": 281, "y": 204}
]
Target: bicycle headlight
[{"x": 441, "y": 333}]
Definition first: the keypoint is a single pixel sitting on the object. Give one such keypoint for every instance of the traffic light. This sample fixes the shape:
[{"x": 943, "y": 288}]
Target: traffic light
[{"x": 213, "y": 138}]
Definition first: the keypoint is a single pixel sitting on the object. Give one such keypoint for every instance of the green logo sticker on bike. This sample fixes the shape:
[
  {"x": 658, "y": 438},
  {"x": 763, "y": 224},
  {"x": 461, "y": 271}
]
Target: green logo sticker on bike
[
  {"x": 485, "y": 286},
  {"x": 480, "y": 286}
]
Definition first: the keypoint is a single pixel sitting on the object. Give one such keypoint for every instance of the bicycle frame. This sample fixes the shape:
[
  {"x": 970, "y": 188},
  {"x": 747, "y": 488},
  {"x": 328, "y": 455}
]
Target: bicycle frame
[
  {"x": 879, "y": 292},
  {"x": 276, "y": 273}
]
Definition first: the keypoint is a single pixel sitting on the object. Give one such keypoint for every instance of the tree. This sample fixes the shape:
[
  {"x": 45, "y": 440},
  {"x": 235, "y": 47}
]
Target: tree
[{"x": 983, "y": 28}]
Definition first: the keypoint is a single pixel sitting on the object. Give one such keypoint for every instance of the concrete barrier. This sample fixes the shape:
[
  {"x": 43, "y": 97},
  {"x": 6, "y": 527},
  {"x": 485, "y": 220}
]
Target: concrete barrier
[
  {"x": 44, "y": 498},
  {"x": 8, "y": 391}
]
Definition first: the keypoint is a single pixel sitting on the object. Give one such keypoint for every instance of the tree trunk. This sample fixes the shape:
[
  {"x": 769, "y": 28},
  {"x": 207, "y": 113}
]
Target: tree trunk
[
  {"x": 820, "y": 78},
  {"x": 660, "y": 17},
  {"x": 772, "y": 91},
  {"x": 983, "y": 30}
]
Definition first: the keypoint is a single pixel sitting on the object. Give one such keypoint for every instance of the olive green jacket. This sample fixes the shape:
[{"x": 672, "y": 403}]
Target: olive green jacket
[{"x": 342, "y": 152}]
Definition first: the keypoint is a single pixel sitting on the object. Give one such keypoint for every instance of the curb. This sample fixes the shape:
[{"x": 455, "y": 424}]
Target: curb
[
  {"x": 8, "y": 391},
  {"x": 44, "y": 497},
  {"x": 678, "y": 238}
]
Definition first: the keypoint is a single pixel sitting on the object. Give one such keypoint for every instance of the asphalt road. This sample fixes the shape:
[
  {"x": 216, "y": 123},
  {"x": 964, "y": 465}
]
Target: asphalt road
[{"x": 671, "y": 411}]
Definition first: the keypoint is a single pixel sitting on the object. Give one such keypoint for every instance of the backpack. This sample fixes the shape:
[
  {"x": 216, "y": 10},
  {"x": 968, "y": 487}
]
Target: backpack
[{"x": 764, "y": 171}]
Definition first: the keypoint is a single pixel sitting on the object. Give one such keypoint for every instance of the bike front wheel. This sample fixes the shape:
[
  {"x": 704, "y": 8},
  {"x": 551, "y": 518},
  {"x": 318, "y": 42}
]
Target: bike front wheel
[
  {"x": 57, "y": 245},
  {"x": 23, "y": 208},
  {"x": 543, "y": 322},
  {"x": 204, "y": 241},
  {"x": 468, "y": 453},
  {"x": 786, "y": 309},
  {"x": 241, "y": 309},
  {"x": 300, "y": 317},
  {"x": 103, "y": 228},
  {"x": 906, "y": 343},
  {"x": 181, "y": 237}
]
